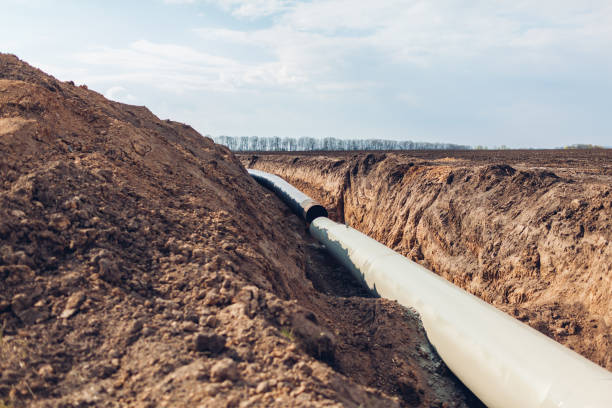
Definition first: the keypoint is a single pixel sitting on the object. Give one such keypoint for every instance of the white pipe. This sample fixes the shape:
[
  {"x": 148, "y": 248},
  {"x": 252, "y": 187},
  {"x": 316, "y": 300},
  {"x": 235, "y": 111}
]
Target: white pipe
[
  {"x": 501, "y": 360},
  {"x": 300, "y": 203}
]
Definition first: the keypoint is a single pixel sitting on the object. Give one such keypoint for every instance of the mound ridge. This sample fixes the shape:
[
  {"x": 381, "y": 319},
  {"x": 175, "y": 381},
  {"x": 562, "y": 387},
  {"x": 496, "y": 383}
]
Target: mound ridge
[{"x": 140, "y": 265}]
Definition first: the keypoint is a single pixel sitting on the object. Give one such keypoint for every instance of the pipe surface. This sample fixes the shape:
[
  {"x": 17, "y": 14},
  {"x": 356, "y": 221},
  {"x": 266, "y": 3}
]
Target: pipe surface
[
  {"x": 501, "y": 360},
  {"x": 300, "y": 203}
]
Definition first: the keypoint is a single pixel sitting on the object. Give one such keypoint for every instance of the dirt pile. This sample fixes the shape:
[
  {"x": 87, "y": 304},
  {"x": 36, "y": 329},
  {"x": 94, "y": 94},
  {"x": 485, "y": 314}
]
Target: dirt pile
[
  {"x": 528, "y": 232},
  {"x": 140, "y": 265}
]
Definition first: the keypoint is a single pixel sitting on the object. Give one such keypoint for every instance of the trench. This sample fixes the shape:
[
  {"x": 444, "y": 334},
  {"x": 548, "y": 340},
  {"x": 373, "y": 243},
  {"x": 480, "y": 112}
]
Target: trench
[
  {"x": 507, "y": 352},
  {"x": 513, "y": 235},
  {"x": 380, "y": 343}
]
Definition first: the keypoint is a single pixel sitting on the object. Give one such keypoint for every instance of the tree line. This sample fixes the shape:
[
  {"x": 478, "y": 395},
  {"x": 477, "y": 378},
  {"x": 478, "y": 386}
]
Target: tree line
[{"x": 291, "y": 144}]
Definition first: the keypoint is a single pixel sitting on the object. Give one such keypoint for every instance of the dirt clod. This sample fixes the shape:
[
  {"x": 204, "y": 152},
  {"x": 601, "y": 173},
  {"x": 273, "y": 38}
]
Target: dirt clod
[
  {"x": 211, "y": 342},
  {"x": 21, "y": 302},
  {"x": 72, "y": 305},
  {"x": 224, "y": 369}
]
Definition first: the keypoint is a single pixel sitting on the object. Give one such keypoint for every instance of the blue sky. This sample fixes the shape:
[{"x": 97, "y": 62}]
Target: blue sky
[{"x": 517, "y": 73}]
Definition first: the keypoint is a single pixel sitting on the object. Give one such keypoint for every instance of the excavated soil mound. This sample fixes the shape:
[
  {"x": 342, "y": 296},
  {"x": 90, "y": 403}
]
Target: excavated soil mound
[
  {"x": 527, "y": 231},
  {"x": 141, "y": 266}
]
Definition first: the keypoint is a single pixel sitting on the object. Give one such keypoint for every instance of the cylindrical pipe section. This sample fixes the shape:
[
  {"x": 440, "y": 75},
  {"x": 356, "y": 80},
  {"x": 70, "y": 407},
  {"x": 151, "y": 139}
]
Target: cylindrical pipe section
[
  {"x": 503, "y": 361},
  {"x": 300, "y": 203}
]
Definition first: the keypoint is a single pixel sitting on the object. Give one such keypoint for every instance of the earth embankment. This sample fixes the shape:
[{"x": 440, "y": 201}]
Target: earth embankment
[
  {"x": 527, "y": 231},
  {"x": 141, "y": 266}
]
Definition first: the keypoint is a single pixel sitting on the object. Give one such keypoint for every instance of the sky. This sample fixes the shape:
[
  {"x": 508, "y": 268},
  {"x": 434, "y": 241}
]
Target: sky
[{"x": 518, "y": 73}]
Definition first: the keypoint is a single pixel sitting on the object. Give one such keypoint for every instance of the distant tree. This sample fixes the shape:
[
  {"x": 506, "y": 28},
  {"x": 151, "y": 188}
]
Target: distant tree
[
  {"x": 244, "y": 143},
  {"x": 255, "y": 143}
]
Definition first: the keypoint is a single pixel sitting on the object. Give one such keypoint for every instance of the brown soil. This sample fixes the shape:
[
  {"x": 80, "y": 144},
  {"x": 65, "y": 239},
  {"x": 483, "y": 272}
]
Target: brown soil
[
  {"x": 141, "y": 266},
  {"x": 527, "y": 231}
]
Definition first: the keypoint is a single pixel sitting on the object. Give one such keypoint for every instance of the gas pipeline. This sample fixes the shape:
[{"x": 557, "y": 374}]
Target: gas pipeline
[
  {"x": 504, "y": 362},
  {"x": 300, "y": 203}
]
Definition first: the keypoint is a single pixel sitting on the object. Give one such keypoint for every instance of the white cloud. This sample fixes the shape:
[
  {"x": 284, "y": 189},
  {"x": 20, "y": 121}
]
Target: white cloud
[
  {"x": 408, "y": 99},
  {"x": 421, "y": 31},
  {"x": 255, "y": 8},
  {"x": 317, "y": 46},
  {"x": 180, "y": 68},
  {"x": 179, "y": 1},
  {"x": 120, "y": 94}
]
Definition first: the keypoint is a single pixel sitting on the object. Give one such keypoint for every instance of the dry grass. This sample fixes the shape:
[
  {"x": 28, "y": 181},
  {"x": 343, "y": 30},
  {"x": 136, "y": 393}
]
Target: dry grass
[{"x": 286, "y": 333}]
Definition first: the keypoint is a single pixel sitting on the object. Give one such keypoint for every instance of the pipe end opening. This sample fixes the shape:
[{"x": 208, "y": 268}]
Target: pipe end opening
[{"x": 315, "y": 211}]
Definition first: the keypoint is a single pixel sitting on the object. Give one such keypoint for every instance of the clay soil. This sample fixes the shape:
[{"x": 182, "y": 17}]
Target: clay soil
[
  {"x": 527, "y": 231},
  {"x": 141, "y": 266}
]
